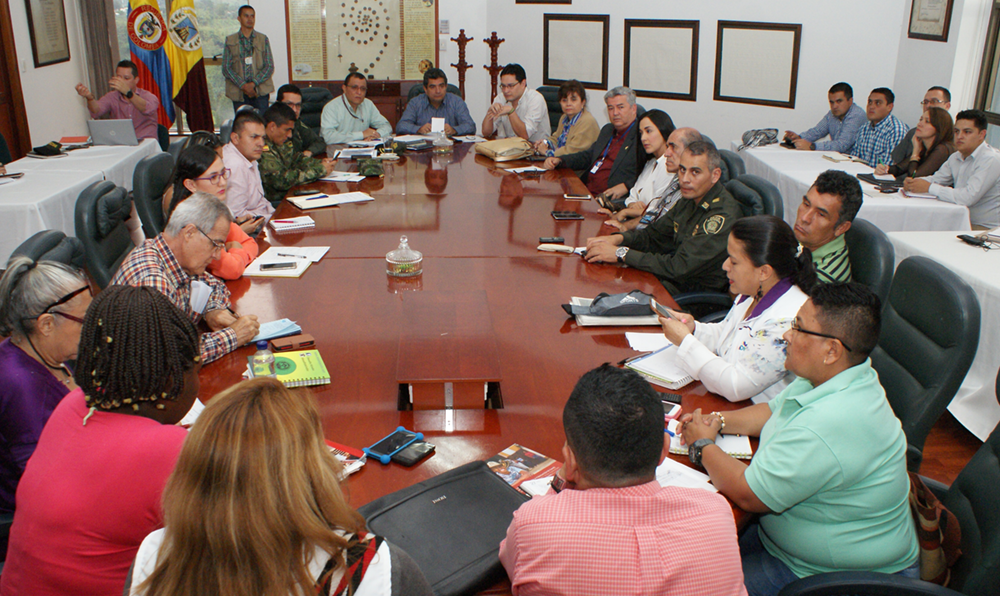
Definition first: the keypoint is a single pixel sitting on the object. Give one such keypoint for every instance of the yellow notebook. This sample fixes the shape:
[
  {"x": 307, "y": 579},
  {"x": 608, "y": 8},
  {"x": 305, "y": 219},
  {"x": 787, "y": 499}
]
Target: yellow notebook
[{"x": 299, "y": 368}]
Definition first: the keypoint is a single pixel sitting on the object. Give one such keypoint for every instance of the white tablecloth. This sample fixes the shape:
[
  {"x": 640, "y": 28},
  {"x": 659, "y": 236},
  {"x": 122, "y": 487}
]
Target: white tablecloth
[
  {"x": 793, "y": 172},
  {"x": 975, "y": 405},
  {"x": 45, "y": 198}
]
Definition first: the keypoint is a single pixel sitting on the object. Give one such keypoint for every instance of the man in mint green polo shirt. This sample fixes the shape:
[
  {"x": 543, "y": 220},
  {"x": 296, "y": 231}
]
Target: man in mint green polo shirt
[
  {"x": 829, "y": 478},
  {"x": 824, "y": 216}
]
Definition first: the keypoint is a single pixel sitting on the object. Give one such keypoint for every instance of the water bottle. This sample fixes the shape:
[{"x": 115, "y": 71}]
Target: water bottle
[{"x": 263, "y": 361}]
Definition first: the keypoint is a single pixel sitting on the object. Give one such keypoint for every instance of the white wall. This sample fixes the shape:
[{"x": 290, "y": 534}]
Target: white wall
[{"x": 52, "y": 105}]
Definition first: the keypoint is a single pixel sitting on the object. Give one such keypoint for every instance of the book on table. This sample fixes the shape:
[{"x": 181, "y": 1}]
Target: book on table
[
  {"x": 528, "y": 471},
  {"x": 661, "y": 368},
  {"x": 836, "y": 157},
  {"x": 288, "y": 224},
  {"x": 352, "y": 459},
  {"x": 299, "y": 368}
]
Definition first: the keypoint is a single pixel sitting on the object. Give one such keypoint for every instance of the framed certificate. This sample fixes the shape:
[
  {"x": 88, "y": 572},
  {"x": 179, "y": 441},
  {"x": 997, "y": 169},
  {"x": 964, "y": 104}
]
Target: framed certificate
[
  {"x": 576, "y": 47},
  {"x": 673, "y": 78},
  {"x": 47, "y": 28},
  {"x": 930, "y": 19}
]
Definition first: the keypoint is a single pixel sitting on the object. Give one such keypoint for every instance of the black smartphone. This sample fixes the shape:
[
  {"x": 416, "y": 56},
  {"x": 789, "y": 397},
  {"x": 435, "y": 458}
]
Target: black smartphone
[
  {"x": 551, "y": 240},
  {"x": 303, "y": 192},
  {"x": 413, "y": 453},
  {"x": 276, "y": 266},
  {"x": 563, "y": 215},
  {"x": 973, "y": 240},
  {"x": 388, "y": 446}
]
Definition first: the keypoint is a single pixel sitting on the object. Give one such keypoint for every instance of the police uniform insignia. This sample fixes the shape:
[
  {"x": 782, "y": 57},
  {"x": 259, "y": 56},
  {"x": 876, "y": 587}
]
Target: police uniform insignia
[
  {"x": 704, "y": 205},
  {"x": 677, "y": 226},
  {"x": 716, "y": 200},
  {"x": 713, "y": 224}
]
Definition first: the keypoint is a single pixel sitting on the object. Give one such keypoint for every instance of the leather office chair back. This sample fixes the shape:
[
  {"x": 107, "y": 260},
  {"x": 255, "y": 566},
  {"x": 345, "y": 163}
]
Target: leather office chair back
[
  {"x": 163, "y": 136},
  {"x": 152, "y": 176},
  {"x": 748, "y": 198},
  {"x": 53, "y": 245},
  {"x": 551, "y": 95},
  {"x": 734, "y": 162},
  {"x": 872, "y": 257},
  {"x": 101, "y": 211},
  {"x": 177, "y": 146},
  {"x": 419, "y": 89},
  {"x": 930, "y": 332},
  {"x": 313, "y": 100},
  {"x": 225, "y": 130},
  {"x": 769, "y": 194}
]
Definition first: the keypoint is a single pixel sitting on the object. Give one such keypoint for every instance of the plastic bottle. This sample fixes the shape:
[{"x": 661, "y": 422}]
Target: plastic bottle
[{"x": 263, "y": 361}]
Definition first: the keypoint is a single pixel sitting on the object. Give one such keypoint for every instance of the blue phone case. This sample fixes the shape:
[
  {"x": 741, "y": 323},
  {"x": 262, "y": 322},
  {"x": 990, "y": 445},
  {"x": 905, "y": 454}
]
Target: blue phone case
[{"x": 385, "y": 458}]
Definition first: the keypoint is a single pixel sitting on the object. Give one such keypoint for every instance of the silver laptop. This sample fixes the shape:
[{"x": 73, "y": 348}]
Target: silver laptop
[{"x": 112, "y": 132}]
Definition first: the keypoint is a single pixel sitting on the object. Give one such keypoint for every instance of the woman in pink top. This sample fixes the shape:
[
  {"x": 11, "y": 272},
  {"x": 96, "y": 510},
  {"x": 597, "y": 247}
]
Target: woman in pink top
[
  {"x": 92, "y": 490},
  {"x": 200, "y": 168}
]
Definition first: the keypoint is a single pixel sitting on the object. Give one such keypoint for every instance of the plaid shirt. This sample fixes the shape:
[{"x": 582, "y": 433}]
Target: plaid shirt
[
  {"x": 246, "y": 50},
  {"x": 875, "y": 143},
  {"x": 154, "y": 265}
]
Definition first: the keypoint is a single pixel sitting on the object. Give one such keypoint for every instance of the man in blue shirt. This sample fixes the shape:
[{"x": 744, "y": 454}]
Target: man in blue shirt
[
  {"x": 841, "y": 123},
  {"x": 877, "y": 139},
  {"x": 436, "y": 102}
]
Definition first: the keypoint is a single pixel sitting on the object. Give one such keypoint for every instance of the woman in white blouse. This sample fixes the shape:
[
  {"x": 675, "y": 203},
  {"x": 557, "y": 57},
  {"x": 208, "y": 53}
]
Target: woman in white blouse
[
  {"x": 655, "y": 127},
  {"x": 743, "y": 356}
]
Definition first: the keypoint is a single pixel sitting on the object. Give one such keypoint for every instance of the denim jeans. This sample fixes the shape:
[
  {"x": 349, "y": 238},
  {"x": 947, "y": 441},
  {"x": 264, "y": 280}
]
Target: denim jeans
[{"x": 259, "y": 103}]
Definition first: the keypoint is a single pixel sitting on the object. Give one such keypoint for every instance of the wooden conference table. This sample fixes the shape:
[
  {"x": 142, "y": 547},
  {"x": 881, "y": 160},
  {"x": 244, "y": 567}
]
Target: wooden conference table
[{"x": 478, "y": 234}]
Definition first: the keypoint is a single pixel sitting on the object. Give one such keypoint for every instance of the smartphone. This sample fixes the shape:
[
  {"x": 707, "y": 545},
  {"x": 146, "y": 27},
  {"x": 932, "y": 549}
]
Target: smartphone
[
  {"x": 276, "y": 266},
  {"x": 671, "y": 411},
  {"x": 973, "y": 240},
  {"x": 551, "y": 240},
  {"x": 563, "y": 215},
  {"x": 660, "y": 309},
  {"x": 413, "y": 453},
  {"x": 303, "y": 192},
  {"x": 570, "y": 197},
  {"x": 388, "y": 446}
]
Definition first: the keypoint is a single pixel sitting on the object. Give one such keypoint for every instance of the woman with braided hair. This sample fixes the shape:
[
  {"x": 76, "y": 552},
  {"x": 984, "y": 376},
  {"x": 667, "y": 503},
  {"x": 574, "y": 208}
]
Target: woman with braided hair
[{"x": 91, "y": 491}]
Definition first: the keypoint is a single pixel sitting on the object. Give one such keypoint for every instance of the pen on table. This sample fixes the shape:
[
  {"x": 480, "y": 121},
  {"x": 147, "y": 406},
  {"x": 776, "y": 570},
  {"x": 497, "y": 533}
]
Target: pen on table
[
  {"x": 317, "y": 197},
  {"x": 625, "y": 361},
  {"x": 281, "y": 254}
]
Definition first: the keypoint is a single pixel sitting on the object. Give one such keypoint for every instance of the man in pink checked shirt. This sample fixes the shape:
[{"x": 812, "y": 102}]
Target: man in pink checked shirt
[
  {"x": 607, "y": 526},
  {"x": 245, "y": 191}
]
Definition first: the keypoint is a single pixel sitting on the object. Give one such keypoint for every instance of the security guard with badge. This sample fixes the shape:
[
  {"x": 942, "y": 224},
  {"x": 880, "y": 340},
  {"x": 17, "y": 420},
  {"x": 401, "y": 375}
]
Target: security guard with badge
[{"x": 686, "y": 247}]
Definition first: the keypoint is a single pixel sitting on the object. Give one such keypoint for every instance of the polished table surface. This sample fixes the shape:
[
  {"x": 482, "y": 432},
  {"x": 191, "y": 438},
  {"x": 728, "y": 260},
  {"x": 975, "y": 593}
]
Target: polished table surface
[{"x": 479, "y": 239}]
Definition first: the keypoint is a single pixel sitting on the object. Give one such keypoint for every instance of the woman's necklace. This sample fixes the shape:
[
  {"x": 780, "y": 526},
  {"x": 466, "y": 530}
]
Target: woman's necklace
[{"x": 64, "y": 375}]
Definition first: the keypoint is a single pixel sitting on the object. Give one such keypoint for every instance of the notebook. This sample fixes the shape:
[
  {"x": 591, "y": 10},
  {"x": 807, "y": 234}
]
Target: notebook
[
  {"x": 597, "y": 321},
  {"x": 840, "y": 157},
  {"x": 301, "y": 368},
  {"x": 660, "y": 368},
  {"x": 292, "y": 223},
  {"x": 737, "y": 446},
  {"x": 323, "y": 200}
]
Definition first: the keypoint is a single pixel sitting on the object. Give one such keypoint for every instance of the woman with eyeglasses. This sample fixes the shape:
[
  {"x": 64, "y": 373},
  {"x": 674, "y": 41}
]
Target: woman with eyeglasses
[
  {"x": 92, "y": 490},
  {"x": 743, "y": 356},
  {"x": 201, "y": 168},
  {"x": 41, "y": 307},
  {"x": 255, "y": 507}
]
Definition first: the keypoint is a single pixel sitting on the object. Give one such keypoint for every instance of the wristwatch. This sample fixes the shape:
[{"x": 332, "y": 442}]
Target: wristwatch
[
  {"x": 129, "y": 94},
  {"x": 694, "y": 451},
  {"x": 620, "y": 253}
]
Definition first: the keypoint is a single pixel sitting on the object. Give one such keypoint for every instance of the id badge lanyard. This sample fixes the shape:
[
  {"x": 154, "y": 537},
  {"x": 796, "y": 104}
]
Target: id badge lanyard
[{"x": 600, "y": 162}]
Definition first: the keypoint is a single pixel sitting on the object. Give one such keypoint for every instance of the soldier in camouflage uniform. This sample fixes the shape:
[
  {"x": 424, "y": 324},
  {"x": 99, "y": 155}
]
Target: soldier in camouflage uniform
[
  {"x": 281, "y": 166},
  {"x": 304, "y": 139},
  {"x": 686, "y": 247}
]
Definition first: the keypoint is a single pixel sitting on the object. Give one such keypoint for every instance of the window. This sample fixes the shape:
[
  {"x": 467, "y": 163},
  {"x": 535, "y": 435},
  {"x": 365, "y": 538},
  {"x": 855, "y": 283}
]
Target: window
[
  {"x": 988, "y": 95},
  {"x": 216, "y": 20}
]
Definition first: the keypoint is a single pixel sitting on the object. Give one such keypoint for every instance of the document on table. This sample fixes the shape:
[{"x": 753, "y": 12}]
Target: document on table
[
  {"x": 412, "y": 138},
  {"x": 342, "y": 177},
  {"x": 322, "y": 200},
  {"x": 270, "y": 256},
  {"x": 371, "y": 143},
  {"x": 277, "y": 253},
  {"x": 279, "y": 328},
  {"x": 528, "y": 170},
  {"x": 671, "y": 473},
  {"x": 917, "y": 195},
  {"x": 470, "y": 139},
  {"x": 646, "y": 342}
]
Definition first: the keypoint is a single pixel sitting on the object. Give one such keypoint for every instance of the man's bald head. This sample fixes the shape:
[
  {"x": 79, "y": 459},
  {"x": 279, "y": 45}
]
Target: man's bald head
[{"x": 677, "y": 143}]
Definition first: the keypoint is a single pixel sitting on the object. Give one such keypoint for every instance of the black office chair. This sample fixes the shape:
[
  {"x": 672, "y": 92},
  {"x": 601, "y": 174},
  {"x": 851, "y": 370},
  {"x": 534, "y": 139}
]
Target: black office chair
[
  {"x": 734, "y": 162},
  {"x": 551, "y": 95},
  {"x": 101, "y": 211},
  {"x": 419, "y": 89},
  {"x": 163, "y": 136},
  {"x": 5, "y": 156},
  {"x": 152, "y": 176},
  {"x": 313, "y": 100},
  {"x": 225, "y": 129},
  {"x": 872, "y": 257},
  {"x": 930, "y": 332},
  {"x": 53, "y": 245},
  {"x": 769, "y": 194},
  {"x": 177, "y": 146}
]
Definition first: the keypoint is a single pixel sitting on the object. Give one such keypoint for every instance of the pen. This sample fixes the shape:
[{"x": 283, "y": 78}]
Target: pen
[
  {"x": 317, "y": 197},
  {"x": 293, "y": 256},
  {"x": 282, "y": 221},
  {"x": 669, "y": 432},
  {"x": 233, "y": 312}
]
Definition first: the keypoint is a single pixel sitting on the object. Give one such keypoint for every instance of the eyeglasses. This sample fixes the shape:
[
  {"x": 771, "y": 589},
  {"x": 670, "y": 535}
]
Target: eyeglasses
[
  {"x": 217, "y": 245},
  {"x": 508, "y": 86},
  {"x": 358, "y": 87},
  {"x": 222, "y": 174},
  {"x": 795, "y": 327},
  {"x": 930, "y": 102},
  {"x": 292, "y": 104},
  {"x": 48, "y": 309}
]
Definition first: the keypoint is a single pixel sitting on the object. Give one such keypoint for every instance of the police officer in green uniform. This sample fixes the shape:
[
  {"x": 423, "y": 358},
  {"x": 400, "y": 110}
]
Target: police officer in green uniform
[
  {"x": 281, "y": 166},
  {"x": 686, "y": 247}
]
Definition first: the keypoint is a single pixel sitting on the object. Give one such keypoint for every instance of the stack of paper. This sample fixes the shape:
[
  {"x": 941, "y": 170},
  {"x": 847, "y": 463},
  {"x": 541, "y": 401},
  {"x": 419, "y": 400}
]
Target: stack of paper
[
  {"x": 671, "y": 473},
  {"x": 647, "y": 342},
  {"x": 342, "y": 177},
  {"x": 299, "y": 257},
  {"x": 321, "y": 200},
  {"x": 528, "y": 170},
  {"x": 596, "y": 321},
  {"x": 289, "y": 224}
]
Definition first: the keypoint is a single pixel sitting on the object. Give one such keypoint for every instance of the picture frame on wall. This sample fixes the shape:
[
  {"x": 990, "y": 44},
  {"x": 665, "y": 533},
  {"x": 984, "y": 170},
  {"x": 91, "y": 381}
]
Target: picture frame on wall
[
  {"x": 930, "y": 19},
  {"x": 676, "y": 78},
  {"x": 47, "y": 29},
  {"x": 564, "y": 57},
  {"x": 757, "y": 63}
]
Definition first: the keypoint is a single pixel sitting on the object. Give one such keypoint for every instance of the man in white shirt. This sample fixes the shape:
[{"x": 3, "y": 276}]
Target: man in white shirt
[
  {"x": 517, "y": 111},
  {"x": 353, "y": 117},
  {"x": 245, "y": 192},
  {"x": 971, "y": 176}
]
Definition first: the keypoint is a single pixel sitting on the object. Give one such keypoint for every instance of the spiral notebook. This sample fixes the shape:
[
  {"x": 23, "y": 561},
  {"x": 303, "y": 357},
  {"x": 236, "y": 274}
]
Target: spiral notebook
[
  {"x": 301, "y": 368},
  {"x": 660, "y": 368},
  {"x": 288, "y": 224},
  {"x": 737, "y": 446}
]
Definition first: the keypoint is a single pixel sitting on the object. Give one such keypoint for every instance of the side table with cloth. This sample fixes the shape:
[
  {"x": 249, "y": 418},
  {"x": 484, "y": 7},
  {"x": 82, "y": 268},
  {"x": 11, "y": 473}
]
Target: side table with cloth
[
  {"x": 975, "y": 404},
  {"x": 793, "y": 172}
]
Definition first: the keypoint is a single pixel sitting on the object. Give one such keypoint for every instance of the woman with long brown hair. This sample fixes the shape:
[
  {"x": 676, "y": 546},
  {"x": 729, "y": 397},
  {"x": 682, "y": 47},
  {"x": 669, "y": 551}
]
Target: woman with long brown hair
[
  {"x": 254, "y": 506},
  {"x": 932, "y": 144}
]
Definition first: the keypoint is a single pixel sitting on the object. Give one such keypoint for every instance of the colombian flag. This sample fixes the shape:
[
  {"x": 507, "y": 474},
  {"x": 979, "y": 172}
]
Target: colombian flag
[
  {"x": 188, "y": 66},
  {"x": 147, "y": 32}
]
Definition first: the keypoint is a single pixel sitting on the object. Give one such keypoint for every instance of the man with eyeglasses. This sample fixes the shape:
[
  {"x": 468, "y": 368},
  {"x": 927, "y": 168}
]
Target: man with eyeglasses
[
  {"x": 175, "y": 262},
  {"x": 281, "y": 166},
  {"x": 304, "y": 139},
  {"x": 936, "y": 97},
  {"x": 517, "y": 111},
  {"x": 877, "y": 138},
  {"x": 245, "y": 191},
  {"x": 829, "y": 478},
  {"x": 353, "y": 117}
]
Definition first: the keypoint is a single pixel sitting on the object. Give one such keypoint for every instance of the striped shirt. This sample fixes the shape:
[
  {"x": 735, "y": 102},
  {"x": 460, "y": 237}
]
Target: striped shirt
[
  {"x": 875, "y": 142},
  {"x": 154, "y": 265},
  {"x": 634, "y": 540},
  {"x": 832, "y": 262}
]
